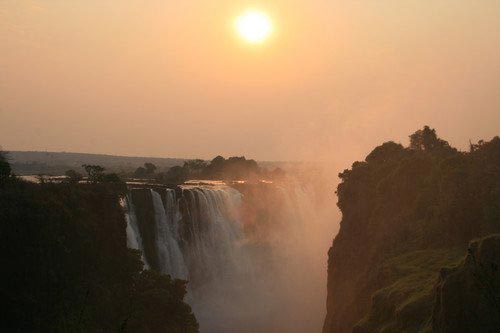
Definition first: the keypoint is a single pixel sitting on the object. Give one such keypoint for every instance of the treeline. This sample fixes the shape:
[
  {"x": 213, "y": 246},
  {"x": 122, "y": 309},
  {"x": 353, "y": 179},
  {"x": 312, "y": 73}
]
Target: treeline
[
  {"x": 66, "y": 266},
  {"x": 56, "y": 163},
  {"x": 432, "y": 192},
  {"x": 407, "y": 212},
  {"x": 219, "y": 168}
]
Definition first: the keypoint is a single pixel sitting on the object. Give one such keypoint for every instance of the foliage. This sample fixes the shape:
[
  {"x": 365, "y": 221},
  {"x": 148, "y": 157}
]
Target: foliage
[
  {"x": 409, "y": 294},
  {"x": 433, "y": 192},
  {"x": 67, "y": 266},
  {"x": 399, "y": 201},
  {"x": 94, "y": 172},
  {"x": 150, "y": 168},
  {"x": 427, "y": 139},
  {"x": 96, "y": 175},
  {"x": 233, "y": 168},
  {"x": 467, "y": 296},
  {"x": 146, "y": 171},
  {"x": 4, "y": 167},
  {"x": 73, "y": 176},
  {"x": 140, "y": 172},
  {"x": 195, "y": 168},
  {"x": 175, "y": 175}
]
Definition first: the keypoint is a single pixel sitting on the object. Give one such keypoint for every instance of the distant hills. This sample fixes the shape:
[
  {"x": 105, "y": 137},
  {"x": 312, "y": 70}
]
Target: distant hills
[{"x": 56, "y": 163}]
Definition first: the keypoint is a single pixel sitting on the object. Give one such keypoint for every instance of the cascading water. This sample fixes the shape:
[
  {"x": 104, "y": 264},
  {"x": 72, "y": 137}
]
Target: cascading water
[
  {"x": 214, "y": 232},
  {"x": 241, "y": 249},
  {"x": 170, "y": 258},
  {"x": 134, "y": 240}
]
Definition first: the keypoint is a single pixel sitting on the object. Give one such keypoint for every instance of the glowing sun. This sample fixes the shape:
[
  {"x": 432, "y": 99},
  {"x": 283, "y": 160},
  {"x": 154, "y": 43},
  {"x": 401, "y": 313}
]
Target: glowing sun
[{"x": 253, "y": 26}]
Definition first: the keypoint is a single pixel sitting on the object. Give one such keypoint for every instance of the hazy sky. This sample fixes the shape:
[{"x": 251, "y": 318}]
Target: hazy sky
[{"x": 170, "y": 78}]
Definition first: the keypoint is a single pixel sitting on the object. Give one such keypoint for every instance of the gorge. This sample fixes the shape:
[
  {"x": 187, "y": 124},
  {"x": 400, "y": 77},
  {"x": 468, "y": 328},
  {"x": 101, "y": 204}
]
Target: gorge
[
  {"x": 417, "y": 251},
  {"x": 249, "y": 251}
]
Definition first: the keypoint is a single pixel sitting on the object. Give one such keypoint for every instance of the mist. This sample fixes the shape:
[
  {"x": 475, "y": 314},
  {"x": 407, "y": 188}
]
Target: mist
[{"x": 276, "y": 278}]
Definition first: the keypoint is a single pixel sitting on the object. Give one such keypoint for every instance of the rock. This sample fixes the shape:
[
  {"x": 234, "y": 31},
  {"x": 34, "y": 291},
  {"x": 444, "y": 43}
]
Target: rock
[{"x": 468, "y": 297}]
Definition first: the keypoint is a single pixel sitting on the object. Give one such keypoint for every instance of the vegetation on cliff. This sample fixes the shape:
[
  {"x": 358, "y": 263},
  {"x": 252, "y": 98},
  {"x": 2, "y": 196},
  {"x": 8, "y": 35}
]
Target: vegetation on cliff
[
  {"x": 407, "y": 212},
  {"x": 67, "y": 267},
  {"x": 468, "y": 295},
  {"x": 219, "y": 168}
]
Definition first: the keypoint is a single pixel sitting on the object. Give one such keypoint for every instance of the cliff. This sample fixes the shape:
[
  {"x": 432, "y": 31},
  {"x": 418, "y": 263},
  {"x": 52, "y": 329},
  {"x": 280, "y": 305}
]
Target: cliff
[
  {"x": 468, "y": 296},
  {"x": 408, "y": 213},
  {"x": 67, "y": 267}
]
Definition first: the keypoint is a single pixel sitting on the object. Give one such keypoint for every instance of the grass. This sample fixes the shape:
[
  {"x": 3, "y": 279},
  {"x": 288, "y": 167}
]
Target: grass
[{"x": 405, "y": 303}]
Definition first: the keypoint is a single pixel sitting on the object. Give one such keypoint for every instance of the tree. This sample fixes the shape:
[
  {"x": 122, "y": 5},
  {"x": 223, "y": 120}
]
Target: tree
[
  {"x": 73, "y": 176},
  {"x": 475, "y": 146},
  {"x": 195, "y": 168},
  {"x": 196, "y": 164},
  {"x": 239, "y": 168},
  {"x": 426, "y": 139},
  {"x": 218, "y": 161},
  {"x": 176, "y": 175},
  {"x": 387, "y": 151},
  {"x": 140, "y": 172},
  {"x": 150, "y": 168},
  {"x": 117, "y": 183},
  {"x": 94, "y": 172}
]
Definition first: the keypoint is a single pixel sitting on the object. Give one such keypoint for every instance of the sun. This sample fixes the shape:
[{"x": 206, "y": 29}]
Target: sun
[{"x": 253, "y": 26}]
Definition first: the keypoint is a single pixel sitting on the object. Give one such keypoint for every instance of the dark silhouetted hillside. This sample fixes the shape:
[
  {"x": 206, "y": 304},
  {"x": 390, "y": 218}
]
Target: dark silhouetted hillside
[
  {"x": 408, "y": 214},
  {"x": 67, "y": 268}
]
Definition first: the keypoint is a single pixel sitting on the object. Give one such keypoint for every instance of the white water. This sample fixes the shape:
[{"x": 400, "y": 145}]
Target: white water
[
  {"x": 216, "y": 232},
  {"x": 171, "y": 260},
  {"x": 134, "y": 240},
  {"x": 247, "y": 272}
]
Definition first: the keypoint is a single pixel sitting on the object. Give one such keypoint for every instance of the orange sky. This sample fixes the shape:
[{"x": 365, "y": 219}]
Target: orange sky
[{"x": 169, "y": 78}]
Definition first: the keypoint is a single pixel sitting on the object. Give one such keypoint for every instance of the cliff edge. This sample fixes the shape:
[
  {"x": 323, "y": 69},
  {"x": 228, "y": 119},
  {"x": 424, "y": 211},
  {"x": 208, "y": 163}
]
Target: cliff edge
[{"x": 408, "y": 215}]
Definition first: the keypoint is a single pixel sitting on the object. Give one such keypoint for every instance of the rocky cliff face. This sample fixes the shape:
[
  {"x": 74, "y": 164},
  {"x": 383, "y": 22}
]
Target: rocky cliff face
[
  {"x": 407, "y": 213},
  {"x": 468, "y": 296}
]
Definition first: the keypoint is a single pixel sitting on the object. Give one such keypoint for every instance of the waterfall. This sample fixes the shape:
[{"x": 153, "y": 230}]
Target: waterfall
[
  {"x": 134, "y": 240},
  {"x": 170, "y": 257},
  {"x": 214, "y": 227},
  {"x": 251, "y": 246},
  {"x": 202, "y": 243}
]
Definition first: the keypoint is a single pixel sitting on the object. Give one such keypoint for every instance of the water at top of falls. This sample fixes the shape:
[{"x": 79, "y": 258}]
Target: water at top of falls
[
  {"x": 204, "y": 182},
  {"x": 170, "y": 257}
]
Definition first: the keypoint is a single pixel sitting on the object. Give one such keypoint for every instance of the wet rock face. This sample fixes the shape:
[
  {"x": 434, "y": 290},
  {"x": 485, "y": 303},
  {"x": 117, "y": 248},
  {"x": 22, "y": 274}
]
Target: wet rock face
[
  {"x": 468, "y": 296},
  {"x": 349, "y": 289}
]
